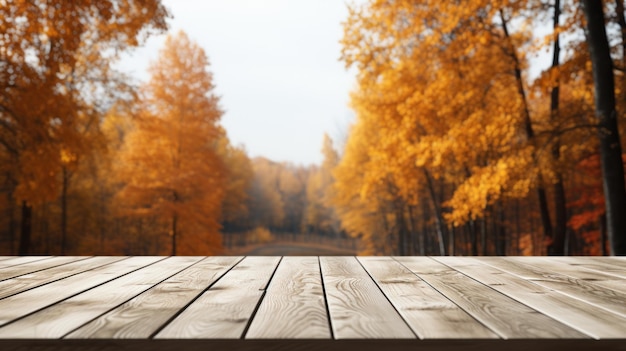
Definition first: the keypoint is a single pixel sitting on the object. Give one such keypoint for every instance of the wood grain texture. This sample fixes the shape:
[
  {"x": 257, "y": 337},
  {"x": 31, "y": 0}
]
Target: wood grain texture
[
  {"x": 561, "y": 265},
  {"x": 607, "y": 272},
  {"x": 588, "y": 319},
  {"x": 544, "y": 273},
  {"x": 612, "y": 260},
  {"x": 19, "y": 305},
  {"x": 357, "y": 307},
  {"x": 25, "y": 282},
  {"x": 505, "y": 316},
  {"x": 36, "y": 266},
  {"x": 294, "y": 305},
  {"x": 143, "y": 315},
  {"x": 430, "y": 314},
  {"x": 224, "y": 310},
  {"x": 61, "y": 318},
  {"x": 576, "y": 271},
  {"x": 302, "y": 303},
  {"x": 605, "y": 265},
  {"x": 17, "y": 260}
]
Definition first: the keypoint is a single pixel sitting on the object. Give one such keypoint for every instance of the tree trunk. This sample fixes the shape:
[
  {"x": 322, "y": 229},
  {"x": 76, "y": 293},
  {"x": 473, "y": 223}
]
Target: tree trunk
[
  {"x": 500, "y": 229},
  {"x": 400, "y": 226},
  {"x": 102, "y": 216},
  {"x": 11, "y": 223},
  {"x": 610, "y": 147},
  {"x": 66, "y": 176},
  {"x": 471, "y": 227},
  {"x": 603, "y": 250},
  {"x": 518, "y": 228},
  {"x": 27, "y": 212},
  {"x": 483, "y": 236},
  {"x": 438, "y": 215},
  {"x": 621, "y": 20},
  {"x": 451, "y": 243},
  {"x": 412, "y": 229},
  {"x": 467, "y": 240},
  {"x": 424, "y": 233},
  {"x": 174, "y": 223},
  {"x": 530, "y": 133},
  {"x": 557, "y": 246},
  {"x": 44, "y": 229}
]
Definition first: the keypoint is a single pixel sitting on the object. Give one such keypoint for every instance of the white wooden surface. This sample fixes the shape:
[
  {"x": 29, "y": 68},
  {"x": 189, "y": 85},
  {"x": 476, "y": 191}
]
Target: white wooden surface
[{"x": 312, "y": 298}]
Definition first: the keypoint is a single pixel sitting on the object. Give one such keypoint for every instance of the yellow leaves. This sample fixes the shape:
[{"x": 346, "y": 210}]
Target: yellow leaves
[
  {"x": 438, "y": 91},
  {"x": 67, "y": 156},
  {"x": 483, "y": 39},
  {"x": 510, "y": 176}
]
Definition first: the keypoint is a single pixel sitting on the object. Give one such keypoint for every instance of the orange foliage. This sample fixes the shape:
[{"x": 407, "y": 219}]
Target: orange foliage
[
  {"x": 588, "y": 205},
  {"x": 170, "y": 165},
  {"x": 50, "y": 56}
]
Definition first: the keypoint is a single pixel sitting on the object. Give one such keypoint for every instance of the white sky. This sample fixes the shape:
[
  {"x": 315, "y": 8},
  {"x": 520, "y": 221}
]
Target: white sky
[{"x": 275, "y": 66}]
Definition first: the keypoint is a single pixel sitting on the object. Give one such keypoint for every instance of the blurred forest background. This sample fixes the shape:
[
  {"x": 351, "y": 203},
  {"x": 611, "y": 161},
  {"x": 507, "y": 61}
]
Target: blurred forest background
[{"x": 460, "y": 145}]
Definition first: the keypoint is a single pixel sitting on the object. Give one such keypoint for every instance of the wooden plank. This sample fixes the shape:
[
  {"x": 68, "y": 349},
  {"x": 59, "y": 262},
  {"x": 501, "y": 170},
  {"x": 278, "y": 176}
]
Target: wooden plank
[
  {"x": 32, "y": 267},
  {"x": 612, "y": 260},
  {"x": 564, "y": 268},
  {"x": 605, "y": 265},
  {"x": 430, "y": 314},
  {"x": 591, "y": 320},
  {"x": 547, "y": 274},
  {"x": 17, "y": 260},
  {"x": 19, "y": 305},
  {"x": 25, "y": 282},
  {"x": 616, "y": 269},
  {"x": 616, "y": 285},
  {"x": 65, "y": 316},
  {"x": 357, "y": 307},
  {"x": 293, "y": 306},
  {"x": 232, "y": 302},
  {"x": 596, "y": 277},
  {"x": 143, "y": 315},
  {"x": 505, "y": 316}
]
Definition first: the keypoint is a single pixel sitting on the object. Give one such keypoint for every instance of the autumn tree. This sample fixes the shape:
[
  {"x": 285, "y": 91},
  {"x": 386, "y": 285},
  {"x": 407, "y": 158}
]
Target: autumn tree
[
  {"x": 265, "y": 202},
  {"x": 557, "y": 247},
  {"x": 171, "y": 164},
  {"x": 450, "y": 117},
  {"x": 405, "y": 89},
  {"x": 363, "y": 211},
  {"x": 610, "y": 144},
  {"x": 292, "y": 182},
  {"x": 239, "y": 175},
  {"x": 320, "y": 214},
  {"x": 46, "y": 49}
]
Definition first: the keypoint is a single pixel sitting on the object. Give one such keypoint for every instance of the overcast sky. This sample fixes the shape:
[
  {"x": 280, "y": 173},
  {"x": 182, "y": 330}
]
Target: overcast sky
[{"x": 275, "y": 66}]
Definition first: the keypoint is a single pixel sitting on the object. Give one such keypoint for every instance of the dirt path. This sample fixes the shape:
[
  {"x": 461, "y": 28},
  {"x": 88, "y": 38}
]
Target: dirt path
[{"x": 292, "y": 249}]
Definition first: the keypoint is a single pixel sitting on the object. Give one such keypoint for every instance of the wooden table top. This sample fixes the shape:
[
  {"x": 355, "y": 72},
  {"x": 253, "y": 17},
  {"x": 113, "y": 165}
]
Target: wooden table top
[{"x": 312, "y": 302}]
